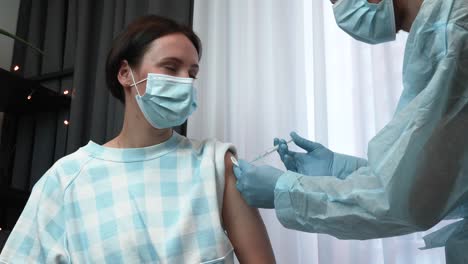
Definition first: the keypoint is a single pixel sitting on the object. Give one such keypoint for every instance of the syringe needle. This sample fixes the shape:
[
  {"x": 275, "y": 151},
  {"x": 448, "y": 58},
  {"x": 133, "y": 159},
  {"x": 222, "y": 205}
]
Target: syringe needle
[
  {"x": 275, "y": 148},
  {"x": 268, "y": 152}
]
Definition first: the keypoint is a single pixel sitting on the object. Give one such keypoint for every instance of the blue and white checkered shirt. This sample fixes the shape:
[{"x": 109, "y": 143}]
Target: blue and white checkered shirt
[{"x": 159, "y": 204}]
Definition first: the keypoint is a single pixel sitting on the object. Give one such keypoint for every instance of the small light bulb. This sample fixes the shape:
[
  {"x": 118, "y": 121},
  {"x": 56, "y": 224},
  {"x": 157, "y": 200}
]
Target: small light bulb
[
  {"x": 65, "y": 92},
  {"x": 29, "y": 97},
  {"x": 66, "y": 122},
  {"x": 16, "y": 68}
]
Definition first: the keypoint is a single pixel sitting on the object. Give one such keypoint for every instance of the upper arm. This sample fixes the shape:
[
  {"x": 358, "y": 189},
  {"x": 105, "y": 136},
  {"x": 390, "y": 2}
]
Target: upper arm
[
  {"x": 38, "y": 235},
  {"x": 243, "y": 223}
]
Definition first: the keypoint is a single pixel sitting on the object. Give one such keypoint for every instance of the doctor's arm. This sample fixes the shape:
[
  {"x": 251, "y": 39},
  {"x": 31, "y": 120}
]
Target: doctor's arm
[{"x": 415, "y": 176}]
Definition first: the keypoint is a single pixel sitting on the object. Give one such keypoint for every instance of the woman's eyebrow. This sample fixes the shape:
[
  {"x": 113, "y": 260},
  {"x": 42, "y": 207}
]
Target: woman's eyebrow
[
  {"x": 172, "y": 59},
  {"x": 178, "y": 61}
]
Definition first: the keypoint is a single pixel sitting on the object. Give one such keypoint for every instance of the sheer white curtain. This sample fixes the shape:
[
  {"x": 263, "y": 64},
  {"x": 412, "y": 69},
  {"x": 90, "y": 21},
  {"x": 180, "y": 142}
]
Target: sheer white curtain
[{"x": 272, "y": 66}]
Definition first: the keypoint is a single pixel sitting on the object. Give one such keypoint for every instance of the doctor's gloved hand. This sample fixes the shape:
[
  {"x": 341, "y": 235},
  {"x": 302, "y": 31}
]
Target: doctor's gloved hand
[
  {"x": 257, "y": 184},
  {"x": 318, "y": 160}
]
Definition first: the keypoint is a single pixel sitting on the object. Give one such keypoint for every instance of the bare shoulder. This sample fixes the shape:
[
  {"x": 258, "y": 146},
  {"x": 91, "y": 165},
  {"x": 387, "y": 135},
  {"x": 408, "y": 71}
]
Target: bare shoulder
[
  {"x": 243, "y": 224},
  {"x": 228, "y": 164}
]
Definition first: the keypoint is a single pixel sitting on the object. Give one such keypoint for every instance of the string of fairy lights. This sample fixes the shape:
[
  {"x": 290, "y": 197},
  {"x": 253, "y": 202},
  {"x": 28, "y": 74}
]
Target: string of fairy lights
[{"x": 66, "y": 122}]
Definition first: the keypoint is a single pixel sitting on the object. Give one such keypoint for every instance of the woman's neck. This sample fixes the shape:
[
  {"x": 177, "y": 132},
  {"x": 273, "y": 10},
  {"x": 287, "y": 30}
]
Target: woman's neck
[{"x": 137, "y": 132}]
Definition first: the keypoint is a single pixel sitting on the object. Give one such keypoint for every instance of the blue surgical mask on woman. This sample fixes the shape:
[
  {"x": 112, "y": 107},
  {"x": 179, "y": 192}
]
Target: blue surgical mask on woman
[
  {"x": 168, "y": 100},
  {"x": 371, "y": 23}
]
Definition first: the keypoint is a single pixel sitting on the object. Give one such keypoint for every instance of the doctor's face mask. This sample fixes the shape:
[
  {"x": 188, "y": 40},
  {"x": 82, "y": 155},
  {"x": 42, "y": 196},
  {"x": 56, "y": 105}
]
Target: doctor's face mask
[{"x": 372, "y": 23}]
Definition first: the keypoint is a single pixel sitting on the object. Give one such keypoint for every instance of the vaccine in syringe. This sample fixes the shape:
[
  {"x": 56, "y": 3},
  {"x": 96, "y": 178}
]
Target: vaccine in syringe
[{"x": 268, "y": 152}]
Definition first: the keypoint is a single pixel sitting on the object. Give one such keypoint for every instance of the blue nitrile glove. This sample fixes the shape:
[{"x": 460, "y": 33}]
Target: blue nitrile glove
[
  {"x": 318, "y": 160},
  {"x": 257, "y": 184}
]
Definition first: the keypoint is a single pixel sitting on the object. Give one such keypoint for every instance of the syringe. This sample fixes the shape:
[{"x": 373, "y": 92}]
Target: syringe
[{"x": 268, "y": 152}]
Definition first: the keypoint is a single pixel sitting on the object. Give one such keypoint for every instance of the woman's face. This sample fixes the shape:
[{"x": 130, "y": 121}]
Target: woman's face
[{"x": 172, "y": 54}]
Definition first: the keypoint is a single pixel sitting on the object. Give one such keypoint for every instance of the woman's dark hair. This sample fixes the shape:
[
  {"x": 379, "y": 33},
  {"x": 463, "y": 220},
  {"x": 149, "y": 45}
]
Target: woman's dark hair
[{"x": 132, "y": 43}]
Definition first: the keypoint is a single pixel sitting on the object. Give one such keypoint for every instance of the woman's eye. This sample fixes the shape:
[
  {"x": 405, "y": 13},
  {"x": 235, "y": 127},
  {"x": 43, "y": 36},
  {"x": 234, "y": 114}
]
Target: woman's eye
[{"x": 170, "y": 68}]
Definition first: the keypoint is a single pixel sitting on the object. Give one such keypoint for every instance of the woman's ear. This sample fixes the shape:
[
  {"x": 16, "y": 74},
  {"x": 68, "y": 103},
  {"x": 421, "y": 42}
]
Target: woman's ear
[{"x": 123, "y": 75}]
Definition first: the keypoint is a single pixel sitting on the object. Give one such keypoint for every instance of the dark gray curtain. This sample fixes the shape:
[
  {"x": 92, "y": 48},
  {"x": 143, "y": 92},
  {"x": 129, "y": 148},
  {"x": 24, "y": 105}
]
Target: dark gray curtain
[{"x": 75, "y": 35}]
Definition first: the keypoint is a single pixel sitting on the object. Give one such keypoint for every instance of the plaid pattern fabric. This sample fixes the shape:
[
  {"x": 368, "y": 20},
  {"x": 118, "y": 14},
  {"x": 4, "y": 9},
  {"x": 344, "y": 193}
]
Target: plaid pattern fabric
[{"x": 160, "y": 204}]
